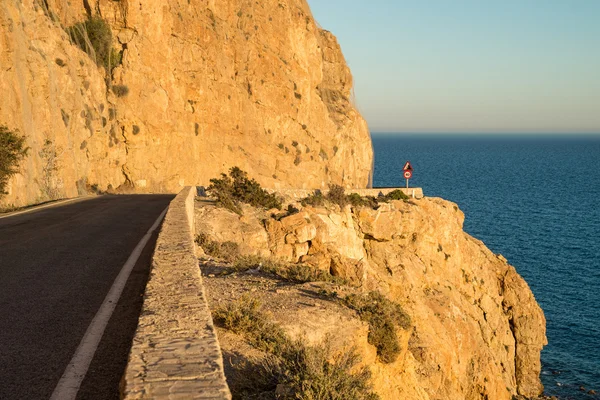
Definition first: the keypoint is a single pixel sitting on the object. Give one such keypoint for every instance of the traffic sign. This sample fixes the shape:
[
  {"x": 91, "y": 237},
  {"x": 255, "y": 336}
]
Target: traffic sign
[
  {"x": 407, "y": 174},
  {"x": 407, "y": 166}
]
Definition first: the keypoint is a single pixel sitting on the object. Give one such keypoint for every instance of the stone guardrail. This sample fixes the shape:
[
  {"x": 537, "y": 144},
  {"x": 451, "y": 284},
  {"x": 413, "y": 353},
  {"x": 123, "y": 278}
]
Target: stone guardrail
[
  {"x": 298, "y": 194},
  {"x": 175, "y": 352}
]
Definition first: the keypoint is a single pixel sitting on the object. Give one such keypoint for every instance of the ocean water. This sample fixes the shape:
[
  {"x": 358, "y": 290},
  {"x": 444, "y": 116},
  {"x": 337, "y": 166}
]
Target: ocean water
[{"x": 536, "y": 200}]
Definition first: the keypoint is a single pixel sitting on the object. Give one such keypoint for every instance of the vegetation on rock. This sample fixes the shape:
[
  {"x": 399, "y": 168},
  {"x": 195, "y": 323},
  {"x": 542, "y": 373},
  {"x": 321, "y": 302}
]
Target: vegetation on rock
[
  {"x": 94, "y": 36},
  {"x": 235, "y": 188},
  {"x": 120, "y": 91},
  {"x": 12, "y": 151},
  {"x": 393, "y": 195},
  {"x": 227, "y": 251},
  {"x": 362, "y": 201},
  {"x": 297, "y": 273},
  {"x": 289, "y": 370},
  {"x": 315, "y": 199},
  {"x": 384, "y": 317},
  {"x": 337, "y": 195}
]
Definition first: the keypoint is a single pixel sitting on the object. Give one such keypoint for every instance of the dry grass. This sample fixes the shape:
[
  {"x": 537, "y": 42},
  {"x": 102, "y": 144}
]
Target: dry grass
[
  {"x": 94, "y": 36},
  {"x": 297, "y": 273},
  {"x": 227, "y": 251},
  {"x": 289, "y": 370}
]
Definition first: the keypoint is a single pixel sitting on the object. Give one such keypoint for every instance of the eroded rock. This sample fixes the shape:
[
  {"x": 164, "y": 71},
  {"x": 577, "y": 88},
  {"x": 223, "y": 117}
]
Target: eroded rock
[
  {"x": 209, "y": 85},
  {"x": 477, "y": 330}
]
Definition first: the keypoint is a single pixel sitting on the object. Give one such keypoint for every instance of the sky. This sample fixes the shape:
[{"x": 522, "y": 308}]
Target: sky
[{"x": 471, "y": 65}]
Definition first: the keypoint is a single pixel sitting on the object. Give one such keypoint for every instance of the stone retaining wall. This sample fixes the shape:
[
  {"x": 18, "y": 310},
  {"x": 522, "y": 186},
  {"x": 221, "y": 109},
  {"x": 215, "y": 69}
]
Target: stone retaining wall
[{"x": 175, "y": 352}]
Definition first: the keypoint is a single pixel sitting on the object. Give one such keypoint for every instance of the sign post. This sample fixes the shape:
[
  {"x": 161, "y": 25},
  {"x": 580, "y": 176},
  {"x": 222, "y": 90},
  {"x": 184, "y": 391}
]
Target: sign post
[
  {"x": 407, "y": 175},
  {"x": 408, "y": 170}
]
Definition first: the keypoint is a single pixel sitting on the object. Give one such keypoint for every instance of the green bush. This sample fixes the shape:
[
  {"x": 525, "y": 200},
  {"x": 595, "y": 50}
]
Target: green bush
[
  {"x": 290, "y": 368},
  {"x": 362, "y": 201},
  {"x": 337, "y": 195},
  {"x": 94, "y": 36},
  {"x": 393, "y": 195},
  {"x": 238, "y": 188},
  {"x": 384, "y": 317},
  {"x": 315, "y": 199},
  {"x": 12, "y": 151}
]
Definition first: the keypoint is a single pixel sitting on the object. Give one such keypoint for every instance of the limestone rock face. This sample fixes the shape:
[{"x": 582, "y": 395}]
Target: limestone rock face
[
  {"x": 210, "y": 85},
  {"x": 55, "y": 95},
  {"x": 477, "y": 329}
]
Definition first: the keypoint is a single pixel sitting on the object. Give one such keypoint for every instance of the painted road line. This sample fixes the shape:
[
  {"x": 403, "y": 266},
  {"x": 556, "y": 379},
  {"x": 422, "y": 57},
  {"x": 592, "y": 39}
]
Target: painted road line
[
  {"x": 53, "y": 204},
  {"x": 69, "y": 383}
]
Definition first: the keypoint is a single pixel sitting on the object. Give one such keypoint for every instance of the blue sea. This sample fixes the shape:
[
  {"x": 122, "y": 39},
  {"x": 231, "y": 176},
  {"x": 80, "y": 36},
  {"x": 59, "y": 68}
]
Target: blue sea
[{"x": 536, "y": 200}]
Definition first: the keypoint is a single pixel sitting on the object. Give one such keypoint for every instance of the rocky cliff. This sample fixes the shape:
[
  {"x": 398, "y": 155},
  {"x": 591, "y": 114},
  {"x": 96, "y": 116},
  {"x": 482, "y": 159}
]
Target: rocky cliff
[
  {"x": 477, "y": 331},
  {"x": 200, "y": 86}
]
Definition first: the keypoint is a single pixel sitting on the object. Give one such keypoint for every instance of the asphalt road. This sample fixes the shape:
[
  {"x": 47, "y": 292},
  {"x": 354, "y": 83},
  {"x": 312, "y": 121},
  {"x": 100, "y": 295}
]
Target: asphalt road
[{"x": 56, "y": 267}]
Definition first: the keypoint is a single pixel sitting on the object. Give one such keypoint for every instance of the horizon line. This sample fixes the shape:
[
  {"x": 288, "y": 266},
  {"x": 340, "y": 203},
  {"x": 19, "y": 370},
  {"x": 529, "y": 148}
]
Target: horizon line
[{"x": 488, "y": 133}]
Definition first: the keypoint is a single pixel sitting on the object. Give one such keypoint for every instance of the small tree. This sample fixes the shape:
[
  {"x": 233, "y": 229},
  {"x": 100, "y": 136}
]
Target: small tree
[
  {"x": 12, "y": 151},
  {"x": 238, "y": 188}
]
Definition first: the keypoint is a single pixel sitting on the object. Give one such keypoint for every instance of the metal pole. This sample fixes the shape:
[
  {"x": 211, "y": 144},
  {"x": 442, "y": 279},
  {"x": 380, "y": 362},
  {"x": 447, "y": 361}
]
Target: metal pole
[{"x": 407, "y": 183}]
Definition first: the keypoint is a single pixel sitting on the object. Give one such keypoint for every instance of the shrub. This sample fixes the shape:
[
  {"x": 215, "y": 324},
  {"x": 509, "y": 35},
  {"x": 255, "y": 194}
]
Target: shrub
[
  {"x": 120, "y": 91},
  {"x": 94, "y": 36},
  {"x": 227, "y": 251},
  {"x": 290, "y": 368},
  {"x": 222, "y": 189},
  {"x": 359, "y": 201},
  {"x": 244, "y": 316},
  {"x": 394, "y": 195},
  {"x": 302, "y": 273},
  {"x": 298, "y": 273},
  {"x": 237, "y": 187},
  {"x": 383, "y": 317},
  {"x": 12, "y": 151},
  {"x": 337, "y": 195},
  {"x": 291, "y": 210},
  {"x": 315, "y": 199}
]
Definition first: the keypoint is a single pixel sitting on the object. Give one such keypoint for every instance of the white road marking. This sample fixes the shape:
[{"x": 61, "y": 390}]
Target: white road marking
[
  {"x": 69, "y": 383},
  {"x": 53, "y": 204}
]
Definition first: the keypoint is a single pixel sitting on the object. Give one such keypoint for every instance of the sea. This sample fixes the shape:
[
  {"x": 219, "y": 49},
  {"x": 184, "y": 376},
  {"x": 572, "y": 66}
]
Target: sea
[{"x": 536, "y": 200}]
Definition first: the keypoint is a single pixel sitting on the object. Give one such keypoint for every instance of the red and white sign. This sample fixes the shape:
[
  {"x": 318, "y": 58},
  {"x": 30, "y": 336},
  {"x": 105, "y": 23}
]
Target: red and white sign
[
  {"x": 407, "y": 174},
  {"x": 407, "y": 167}
]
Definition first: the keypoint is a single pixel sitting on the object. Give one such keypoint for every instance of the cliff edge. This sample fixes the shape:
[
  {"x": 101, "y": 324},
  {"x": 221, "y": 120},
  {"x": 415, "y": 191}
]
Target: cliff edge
[
  {"x": 476, "y": 331},
  {"x": 193, "y": 89}
]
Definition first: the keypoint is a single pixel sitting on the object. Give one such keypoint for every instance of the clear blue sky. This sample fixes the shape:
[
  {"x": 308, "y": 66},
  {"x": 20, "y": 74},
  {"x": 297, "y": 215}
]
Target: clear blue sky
[{"x": 471, "y": 65}]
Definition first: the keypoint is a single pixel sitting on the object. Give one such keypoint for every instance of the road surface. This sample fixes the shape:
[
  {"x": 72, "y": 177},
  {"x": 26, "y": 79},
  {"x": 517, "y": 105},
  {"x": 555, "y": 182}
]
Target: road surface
[{"x": 56, "y": 267}]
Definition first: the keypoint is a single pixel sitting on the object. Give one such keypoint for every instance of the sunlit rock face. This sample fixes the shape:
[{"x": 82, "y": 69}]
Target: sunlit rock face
[
  {"x": 203, "y": 86},
  {"x": 476, "y": 329}
]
